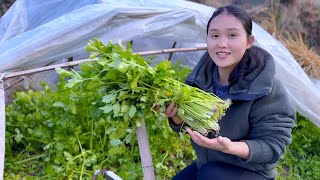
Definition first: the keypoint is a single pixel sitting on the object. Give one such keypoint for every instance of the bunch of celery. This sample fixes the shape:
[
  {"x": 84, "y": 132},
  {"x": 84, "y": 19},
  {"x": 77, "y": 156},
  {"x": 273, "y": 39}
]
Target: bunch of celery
[{"x": 132, "y": 88}]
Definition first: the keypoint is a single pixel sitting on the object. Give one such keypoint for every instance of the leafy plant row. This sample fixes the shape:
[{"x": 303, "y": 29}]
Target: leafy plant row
[{"x": 65, "y": 134}]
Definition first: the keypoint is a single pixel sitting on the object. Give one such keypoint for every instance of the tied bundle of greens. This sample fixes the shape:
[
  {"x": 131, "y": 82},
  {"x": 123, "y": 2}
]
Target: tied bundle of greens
[{"x": 133, "y": 88}]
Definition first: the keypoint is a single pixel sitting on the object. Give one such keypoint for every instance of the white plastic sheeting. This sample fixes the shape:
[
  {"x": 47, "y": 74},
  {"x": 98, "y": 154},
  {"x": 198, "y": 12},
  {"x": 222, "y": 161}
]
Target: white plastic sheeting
[
  {"x": 37, "y": 32},
  {"x": 65, "y": 30}
]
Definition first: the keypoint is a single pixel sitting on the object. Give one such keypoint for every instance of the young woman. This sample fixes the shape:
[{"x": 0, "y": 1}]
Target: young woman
[{"x": 257, "y": 127}]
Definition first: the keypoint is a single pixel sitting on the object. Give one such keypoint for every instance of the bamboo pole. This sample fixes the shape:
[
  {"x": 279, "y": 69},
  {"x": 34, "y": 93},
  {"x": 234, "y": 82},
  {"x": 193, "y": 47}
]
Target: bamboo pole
[
  {"x": 68, "y": 64},
  {"x": 2, "y": 127},
  {"x": 145, "y": 152},
  {"x": 41, "y": 69},
  {"x": 171, "y": 50}
]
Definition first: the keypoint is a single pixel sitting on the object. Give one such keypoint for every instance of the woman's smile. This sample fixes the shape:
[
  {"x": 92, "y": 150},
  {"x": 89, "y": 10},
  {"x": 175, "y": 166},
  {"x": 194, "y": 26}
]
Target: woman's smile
[{"x": 222, "y": 55}]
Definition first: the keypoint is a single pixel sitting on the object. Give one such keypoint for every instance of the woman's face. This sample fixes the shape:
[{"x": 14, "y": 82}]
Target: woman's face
[{"x": 227, "y": 41}]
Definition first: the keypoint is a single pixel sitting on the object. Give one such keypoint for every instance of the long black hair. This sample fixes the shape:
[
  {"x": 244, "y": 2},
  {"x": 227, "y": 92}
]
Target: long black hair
[{"x": 246, "y": 65}]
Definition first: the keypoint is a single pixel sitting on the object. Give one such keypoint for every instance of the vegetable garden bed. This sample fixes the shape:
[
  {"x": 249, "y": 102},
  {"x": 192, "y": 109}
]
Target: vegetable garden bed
[
  {"x": 52, "y": 134},
  {"x": 71, "y": 138}
]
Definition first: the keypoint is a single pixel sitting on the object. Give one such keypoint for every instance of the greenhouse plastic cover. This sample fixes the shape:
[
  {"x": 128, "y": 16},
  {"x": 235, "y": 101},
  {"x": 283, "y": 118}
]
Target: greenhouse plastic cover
[{"x": 34, "y": 33}]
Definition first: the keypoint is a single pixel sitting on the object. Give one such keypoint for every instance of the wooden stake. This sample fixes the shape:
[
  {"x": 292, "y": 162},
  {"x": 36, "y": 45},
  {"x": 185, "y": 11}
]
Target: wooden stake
[{"x": 145, "y": 153}]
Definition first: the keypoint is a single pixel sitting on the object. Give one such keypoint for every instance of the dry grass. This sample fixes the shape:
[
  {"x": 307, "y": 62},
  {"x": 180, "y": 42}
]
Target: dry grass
[
  {"x": 267, "y": 18},
  {"x": 308, "y": 59},
  {"x": 283, "y": 23}
]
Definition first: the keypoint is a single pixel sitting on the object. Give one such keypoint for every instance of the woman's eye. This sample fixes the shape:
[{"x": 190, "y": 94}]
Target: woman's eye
[
  {"x": 214, "y": 36},
  {"x": 232, "y": 35}
]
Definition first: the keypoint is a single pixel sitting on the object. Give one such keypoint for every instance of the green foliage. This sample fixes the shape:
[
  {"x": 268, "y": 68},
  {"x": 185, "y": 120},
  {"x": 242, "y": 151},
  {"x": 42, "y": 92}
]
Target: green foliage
[
  {"x": 63, "y": 135},
  {"x": 302, "y": 158}
]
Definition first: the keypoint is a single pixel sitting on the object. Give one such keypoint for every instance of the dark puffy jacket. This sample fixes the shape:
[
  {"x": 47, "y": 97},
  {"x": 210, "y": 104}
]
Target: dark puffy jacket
[{"x": 260, "y": 115}]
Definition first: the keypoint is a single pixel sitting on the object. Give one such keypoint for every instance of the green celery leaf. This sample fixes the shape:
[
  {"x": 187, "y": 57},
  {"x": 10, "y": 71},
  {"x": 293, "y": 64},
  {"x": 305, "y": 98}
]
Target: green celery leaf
[
  {"x": 58, "y": 104},
  {"x": 107, "y": 108},
  {"x": 102, "y": 61},
  {"x": 95, "y": 83},
  {"x": 116, "y": 150},
  {"x": 129, "y": 136},
  {"x": 150, "y": 70},
  {"x": 138, "y": 121},
  {"x": 18, "y": 137},
  {"x": 123, "y": 95},
  {"x": 124, "y": 107},
  {"x": 94, "y": 55},
  {"x": 134, "y": 83},
  {"x": 129, "y": 76},
  {"x": 113, "y": 75},
  {"x": 118, "y": 134},
  {"x": 123, "y": 67},
  {"x": 144, "y": 98},
  {"x": 116, "y": 108},
  {"x": 72, "y": 82},
  {"x": 72, "y": 107},
  {"x": 64, "y": 72},
  {"x": 68, "y": 156},
  {"x": 132, "y": 111},
  {"x": 110, "y": 130},
  {"x": 116, "y": 62},
  {"x": 109, "y": 98},
  {"x": 115, "y": 142},
  {"x": 126, "y": 116}
]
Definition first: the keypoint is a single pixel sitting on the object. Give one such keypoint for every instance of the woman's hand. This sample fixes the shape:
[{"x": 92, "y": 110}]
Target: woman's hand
[
  {"x": 171, "y": 112},
  {"x": 220, "y": 143}
]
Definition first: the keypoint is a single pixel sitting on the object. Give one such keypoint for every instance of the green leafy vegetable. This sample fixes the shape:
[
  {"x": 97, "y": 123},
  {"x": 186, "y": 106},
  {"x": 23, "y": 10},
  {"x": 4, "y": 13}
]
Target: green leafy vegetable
[{"x": 128, "y": 80}]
